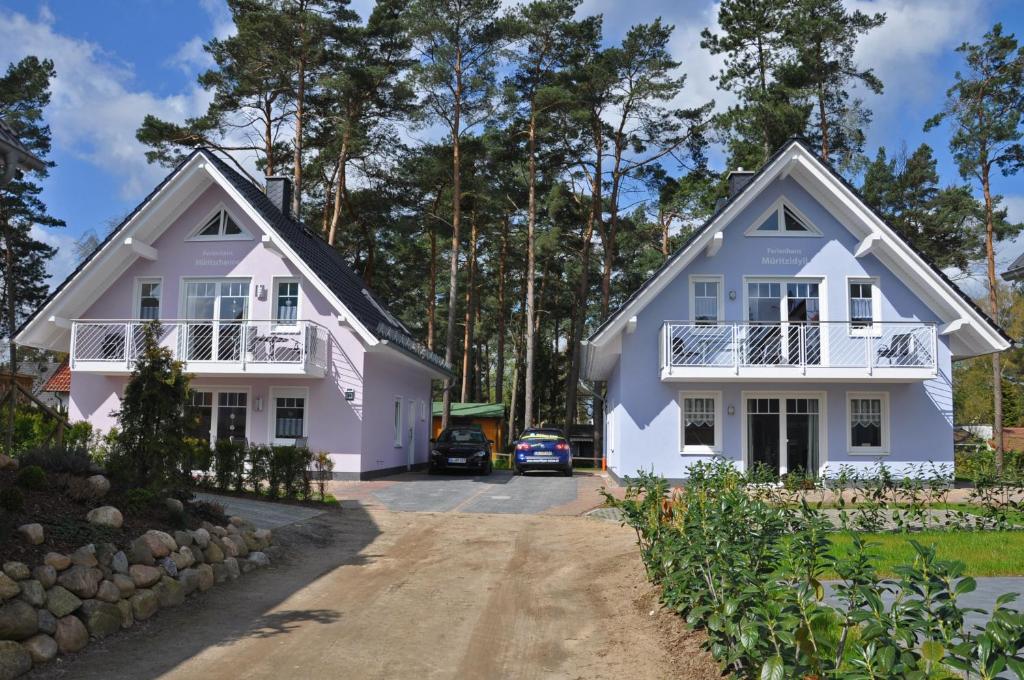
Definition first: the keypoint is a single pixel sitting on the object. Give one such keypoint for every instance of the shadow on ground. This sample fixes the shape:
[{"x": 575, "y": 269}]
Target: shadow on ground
[{"x": 233, "y": 611}]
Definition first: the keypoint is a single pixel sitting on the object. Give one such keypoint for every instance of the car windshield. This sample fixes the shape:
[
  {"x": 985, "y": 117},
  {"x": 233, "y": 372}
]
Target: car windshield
[
  {"x": 463, "y": 437},
  {"x": 542, "y": 437}
]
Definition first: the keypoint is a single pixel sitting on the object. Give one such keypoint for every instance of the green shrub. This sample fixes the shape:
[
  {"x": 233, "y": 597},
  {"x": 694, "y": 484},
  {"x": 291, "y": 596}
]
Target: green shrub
[
  {"x": 12, "y": 499},
  {"x": 229, "y": 465},
  {"x": 73, "y": 461},
  {"x": 323, "y": 472},
  {"x": 79, "y": 435},
  {"x": 258, "y": 458},
  {"x": 289, "y": 471},
  {"x": 31, "y": 477},
  {"x": 140, "y": 500}
]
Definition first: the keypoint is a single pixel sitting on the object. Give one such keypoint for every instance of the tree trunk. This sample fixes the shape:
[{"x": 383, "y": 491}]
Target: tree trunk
[
  {"x": 432, "y": 288},
  {"x": 467, "y": 336},
  {"x": 453, "y": 280},
  {"x": 993, "y": 302},
  {"x": 613, "y": 223},
  {"x": 341, "y": 188},
  {"x": 823, "y": 122},
  {"x": 499, "y": 373},
  {"x": 531, "y": 225},
  {"x": 12, "y": 402},
  {"x": 268, "y": 136},
  {"x": 300, "y": 102}
]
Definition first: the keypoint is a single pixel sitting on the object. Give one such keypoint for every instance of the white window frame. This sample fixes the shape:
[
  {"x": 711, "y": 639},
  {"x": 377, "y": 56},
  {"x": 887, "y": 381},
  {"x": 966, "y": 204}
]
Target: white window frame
[
  {"x": 719, "y": 281},
  {"x": 874, "y": 329},
  {"x": 398, "y": 413},
  {"x": 216, "y": 390},
  {"x": 693, "y": 449},
  {"x": 137, "y": 296},
  {"x": 882, "y": 450},
  {"x": 221, "y": 208},
  {"x": 778, "y": 207},
  {"x": 782, "y": 396},
  {"x": 279, "y": 325},
  {"x": 286, "y": 392}
]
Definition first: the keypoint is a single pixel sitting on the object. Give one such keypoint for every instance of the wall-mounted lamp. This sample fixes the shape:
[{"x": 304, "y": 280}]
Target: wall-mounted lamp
[
  {"x": 261, "y": 291},
  {"x": 732, "y": 295},
  {"x": 731, "y": 410},
  {"x": 350, "y": 395},
  {"x": 259, "y": 403}
]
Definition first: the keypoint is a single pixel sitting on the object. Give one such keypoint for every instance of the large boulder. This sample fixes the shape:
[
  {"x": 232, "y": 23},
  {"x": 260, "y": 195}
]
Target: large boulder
[
  {"x": 170, "y": 592},
  {"x": 32, "y": 591},
  {"x": 18, "y": 620},
  {"x": 108, "y": 592},
  {"x": 61, "y": 601},
  {"x": 15, "y": 660},
  {"x": 183, "y": 538},
  {"x": 264, "y": 536},
  {"x": 82, "y": 581},
  {"x": 206, "y": 577},
  {"x": 189, "y": 580},
  {"x": 32, "y": 533},
  {"x": 8, "y": 587},
  {"x": 47, "y": 622},
  {"x": 174, "y": 505},
  {"x": 85, "y": 556},
  {"x": 231, "y": 564},
  {"x": 45, "y": 574},
  {"x": 71, "y": 635},
  {"x": 201, "y": 537},
  {"x": 18, "y": 571},
  {"x": 8, "y": 463},
  {"x": 98, "y": 486},
  {"x": 100, "y": 618},
  {"x": 220, "y": 572},
  {"x": 105, "y": 516},
  {"x": 41, "y": 647},
  {"x": 169, "y": 566},
  {"x": 139, "y": 552},
  {"x": 251, "y": 541},
  {"x": 145, "y": 603},
  {"x": 214, "y": 553},
  {"x": 119, "y": 562},
  {"x": 127, "y": 618},
  {"x": 56, "y": 560},
  {"x": 144, "y": 576},
  {"x": 124, "y": 584},
  {"x": 164, "y": 539}
]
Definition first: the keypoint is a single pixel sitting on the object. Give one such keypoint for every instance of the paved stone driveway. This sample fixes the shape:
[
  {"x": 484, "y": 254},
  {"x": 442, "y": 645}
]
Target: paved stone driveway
[
  {"x": 262, "y": 514},
  {"x": 500, "y": 492}
]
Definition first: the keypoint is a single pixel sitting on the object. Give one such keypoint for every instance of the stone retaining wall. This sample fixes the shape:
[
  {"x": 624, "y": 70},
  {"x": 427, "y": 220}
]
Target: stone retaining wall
[{"x": 62, "y": 604}]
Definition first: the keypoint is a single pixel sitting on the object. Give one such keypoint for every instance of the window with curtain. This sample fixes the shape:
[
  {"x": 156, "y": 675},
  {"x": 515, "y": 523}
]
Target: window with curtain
[
  {"x": 287, "y": 308},
  {"x": 398, "y": 421},
  {"x": 705, "y": 301},
  {"x": 861, "y": 304},
  {"x": 699, "y": 421},
  {"x": 866, "y": 422},
  {"x": 149, "y": 300},
  {"x": 289, "y": 417}
]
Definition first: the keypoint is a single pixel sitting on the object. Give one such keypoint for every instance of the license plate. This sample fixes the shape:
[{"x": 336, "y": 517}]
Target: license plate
[
  {"x": 542, "y": 453},
  {"x": 456, "y": 460},
  {"x": 539, "y": 460}
]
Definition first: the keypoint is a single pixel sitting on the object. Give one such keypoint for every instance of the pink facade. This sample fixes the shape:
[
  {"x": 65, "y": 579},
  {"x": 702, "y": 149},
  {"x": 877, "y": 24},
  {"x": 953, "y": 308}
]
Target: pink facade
[{"x": 366, "y": 404}]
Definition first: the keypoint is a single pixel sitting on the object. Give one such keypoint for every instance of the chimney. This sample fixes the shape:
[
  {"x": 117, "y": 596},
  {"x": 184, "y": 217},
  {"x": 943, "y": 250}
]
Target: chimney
[
  {"x": 279, "y": 191},
  {"x": 738, "y": 179}
]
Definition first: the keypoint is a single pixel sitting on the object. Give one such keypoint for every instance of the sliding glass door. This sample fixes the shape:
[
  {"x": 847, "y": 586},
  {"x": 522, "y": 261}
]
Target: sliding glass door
[
  {"x": 784, "y": 318},
  {"x": 215, "y": 310},
  {"x": 783, "y": 432}
]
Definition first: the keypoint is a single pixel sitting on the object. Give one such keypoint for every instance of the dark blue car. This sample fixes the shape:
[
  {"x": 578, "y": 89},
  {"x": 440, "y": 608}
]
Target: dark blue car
[{"x": 542, "y": 449}]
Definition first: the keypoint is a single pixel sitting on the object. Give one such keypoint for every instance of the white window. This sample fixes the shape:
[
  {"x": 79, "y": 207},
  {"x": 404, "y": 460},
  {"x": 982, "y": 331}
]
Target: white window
[
  {"x": 286, "y": 301},
  {"x": 700, "y": 421},
  {"x": 149, "y": 299},
  {"x": 398, "y": 422},
  {"x": 782, "y": 219},
  {"x": 219, "y": 226},
  {"x": 216, "y": 414},
  {"x": 706, "y": 299},
  {"x": 289, "y": 414},
  {"x": 867, "y": 423},
  {"x": 864, "y": 302}
]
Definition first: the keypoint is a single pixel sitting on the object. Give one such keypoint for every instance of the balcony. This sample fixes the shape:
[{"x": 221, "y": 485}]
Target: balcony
[
  {"x": 897, "y": 351},
  {"x": 206, "y": 347}
]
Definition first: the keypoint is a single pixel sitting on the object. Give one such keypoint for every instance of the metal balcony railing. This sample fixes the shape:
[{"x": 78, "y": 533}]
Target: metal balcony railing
[
  {"x": 835, "y": 344},
  {"x": 203, "y": 343}
]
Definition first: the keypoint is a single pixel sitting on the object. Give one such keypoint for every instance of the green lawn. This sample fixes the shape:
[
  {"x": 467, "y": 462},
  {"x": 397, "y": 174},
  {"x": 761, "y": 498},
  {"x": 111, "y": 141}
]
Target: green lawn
[{"x": 986, "y": 553}]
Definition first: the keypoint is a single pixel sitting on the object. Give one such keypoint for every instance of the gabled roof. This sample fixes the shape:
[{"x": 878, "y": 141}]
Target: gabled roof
[
  {"x": 326, "y": 264},
  {"x": 798, "y": 151},
  {"x": 1015, "y": 272},
  {"x": 60, "y": 381},
  {"x": 471, "y": 409},
  {"x": 9, "y": 142}
]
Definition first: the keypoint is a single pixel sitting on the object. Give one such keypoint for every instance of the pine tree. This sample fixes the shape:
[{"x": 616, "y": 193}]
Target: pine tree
[{"x": 985, "y": 108}]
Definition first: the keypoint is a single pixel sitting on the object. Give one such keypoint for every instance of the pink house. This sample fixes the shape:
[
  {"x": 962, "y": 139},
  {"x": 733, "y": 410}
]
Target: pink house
[{"x": 283, "y": 340}]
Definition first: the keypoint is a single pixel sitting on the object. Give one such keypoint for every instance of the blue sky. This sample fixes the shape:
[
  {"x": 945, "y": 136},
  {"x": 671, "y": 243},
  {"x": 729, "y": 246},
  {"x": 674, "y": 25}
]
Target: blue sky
[{"x": 117, "y": 61}]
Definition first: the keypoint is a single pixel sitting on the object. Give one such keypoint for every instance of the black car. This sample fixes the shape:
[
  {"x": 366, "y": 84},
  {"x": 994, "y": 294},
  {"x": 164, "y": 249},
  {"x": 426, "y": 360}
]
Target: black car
[{"x": 461, "y": 448}]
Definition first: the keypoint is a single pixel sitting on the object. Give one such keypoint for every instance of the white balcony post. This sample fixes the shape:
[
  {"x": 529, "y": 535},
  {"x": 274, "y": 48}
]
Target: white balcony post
[
  {"x": 302, "y": 348},
  {"x": 127, "y": 344},
  {"x": 870, "y": 351},
  {"x": 74, "y": 343},
  {"x": 935, "y": 349},
  {"x": 802, "y": 343},
  {"x": 243, "y": 341},
  {"x": 735, "y": 348}
]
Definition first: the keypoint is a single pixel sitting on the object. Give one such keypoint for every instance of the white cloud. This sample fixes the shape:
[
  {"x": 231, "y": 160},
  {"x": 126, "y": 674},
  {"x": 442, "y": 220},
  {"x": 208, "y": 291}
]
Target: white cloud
[
  {"x": 94, "y": 110},
  {"x": 63, "y": 262},
  {"x": 191, "y": 58}
]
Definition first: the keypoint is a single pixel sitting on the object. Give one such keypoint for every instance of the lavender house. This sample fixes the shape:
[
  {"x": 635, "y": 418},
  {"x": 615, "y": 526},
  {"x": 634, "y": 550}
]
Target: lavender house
[
  {"x": 283, "y": 339},
  {"x": 795, "y": 329}
]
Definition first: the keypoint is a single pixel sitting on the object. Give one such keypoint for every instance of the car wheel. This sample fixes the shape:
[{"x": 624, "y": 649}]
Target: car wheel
[
  {"x": 489, "y": 468},
  {"x": 432, "y": 470},
  {"x": 516, "y": 470},
  {"x": 568, "y": 471}
]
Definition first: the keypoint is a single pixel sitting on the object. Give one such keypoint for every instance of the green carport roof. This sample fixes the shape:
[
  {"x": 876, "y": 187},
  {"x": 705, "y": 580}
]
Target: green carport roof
[{"x": 471, "y": 409}]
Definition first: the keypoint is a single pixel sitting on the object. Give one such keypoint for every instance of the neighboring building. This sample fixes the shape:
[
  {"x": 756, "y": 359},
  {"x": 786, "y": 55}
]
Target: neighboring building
[
  {"x": 795, "y": 329},
  {"x": 284, "y": 341},
  {"x": 490, "y": 418},
  {"x": 57, "y": 389}
]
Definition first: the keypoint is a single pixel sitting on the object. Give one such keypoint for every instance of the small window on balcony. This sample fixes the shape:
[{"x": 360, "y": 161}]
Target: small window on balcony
[
  {"x": 220, "y": 226},
  {"x": 701, "y": 421},
  {"x": 706, "y": 300},
  {"x": 149, "y": 299},
  {"x": 286, "y": 302},
  {"x": 863, "y": 306}
]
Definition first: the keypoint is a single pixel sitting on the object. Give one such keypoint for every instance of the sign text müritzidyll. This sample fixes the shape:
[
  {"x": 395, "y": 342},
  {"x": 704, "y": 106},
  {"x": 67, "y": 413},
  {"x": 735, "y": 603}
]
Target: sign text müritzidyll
[{"x": 784, "y": 256}]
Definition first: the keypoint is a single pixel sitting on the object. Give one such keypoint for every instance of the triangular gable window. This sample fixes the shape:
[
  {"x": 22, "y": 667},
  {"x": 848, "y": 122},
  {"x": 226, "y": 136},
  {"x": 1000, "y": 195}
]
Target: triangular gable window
[
  {"x": 220, "y": 227},
  {"x": 782, "y": 219}
]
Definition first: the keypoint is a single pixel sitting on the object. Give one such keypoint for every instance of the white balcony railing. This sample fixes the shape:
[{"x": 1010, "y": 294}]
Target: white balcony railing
[
  {"x": 889, "y": 349},
  {"x": 206, "y": 346}
]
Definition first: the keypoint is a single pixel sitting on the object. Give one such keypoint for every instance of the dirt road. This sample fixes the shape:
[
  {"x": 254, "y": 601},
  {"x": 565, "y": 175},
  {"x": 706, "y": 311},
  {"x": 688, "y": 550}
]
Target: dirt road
[{"x": 369, "y": 593}]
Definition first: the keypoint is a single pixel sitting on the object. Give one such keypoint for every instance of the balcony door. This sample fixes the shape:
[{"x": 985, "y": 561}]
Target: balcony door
[
  {"x": 784, "y": 318},
  {"x": 216, "y": 310},
  {"x": 784, "y": 432}
]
